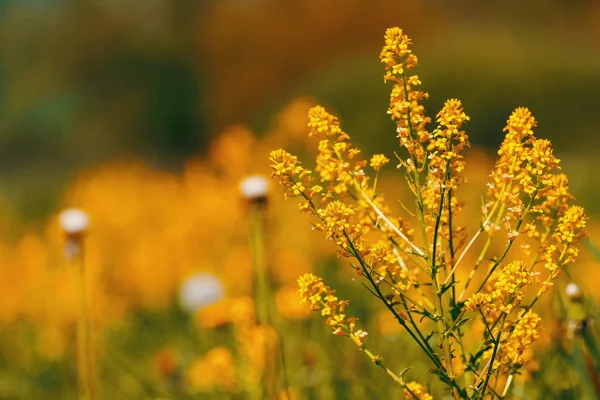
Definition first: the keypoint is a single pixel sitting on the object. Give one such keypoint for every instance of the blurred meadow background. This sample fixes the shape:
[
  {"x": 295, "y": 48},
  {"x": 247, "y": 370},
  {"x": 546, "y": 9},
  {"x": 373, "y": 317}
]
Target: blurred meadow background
[{"x": 148, "y": 114}]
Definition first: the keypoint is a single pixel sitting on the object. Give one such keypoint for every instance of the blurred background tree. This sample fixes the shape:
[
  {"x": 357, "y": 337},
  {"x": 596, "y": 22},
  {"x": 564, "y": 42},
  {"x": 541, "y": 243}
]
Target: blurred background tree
[{"x": 88, "y": 81}]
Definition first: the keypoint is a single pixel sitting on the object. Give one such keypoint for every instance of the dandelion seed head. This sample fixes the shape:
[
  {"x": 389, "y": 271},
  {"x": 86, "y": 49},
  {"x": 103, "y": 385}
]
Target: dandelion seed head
[
  {"x": 200, "y": 290},
  {"x": 73, "y": 221},
  {"x": 254, "y": 187},
  {"x": 572, "y": 291}
]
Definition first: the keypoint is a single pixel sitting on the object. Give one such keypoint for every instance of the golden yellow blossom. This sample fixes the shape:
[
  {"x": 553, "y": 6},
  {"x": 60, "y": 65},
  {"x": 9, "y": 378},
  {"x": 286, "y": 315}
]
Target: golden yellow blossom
[
  {"x": 515, "y": 350},
  {"x": 555, "y": 197},
  {"x": 216, "y": 370},
  {"x": 446, "y": 164},
  {"x": 540, "y": 164},
  {"x": 321, "y": 297},
  {"x": 508, "y": 282},
  {"x": 512, "y": 155},
  {"x": 479, "y": 301},
  {"x": 445, "y": 159},
  {"x": 390, "y": 266},
  {"x": 405, "y": 107},
  {"x": 336, "y": 162},
  {"x": 504, "y": 291},
  {"x": 325, "y": 125},
  {"x": 418, "y": 390},
  {"x": 378, "y": 161},
  {"x": 419, "y": 281},
  {"x": 396, "y": 54},
  {"x": 571, "y": 228}
]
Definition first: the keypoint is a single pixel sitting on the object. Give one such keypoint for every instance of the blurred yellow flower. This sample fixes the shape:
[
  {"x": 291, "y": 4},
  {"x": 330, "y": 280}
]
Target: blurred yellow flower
[
  {"x": 216, "y": 370},
  {"x": 288, "y": 303}
]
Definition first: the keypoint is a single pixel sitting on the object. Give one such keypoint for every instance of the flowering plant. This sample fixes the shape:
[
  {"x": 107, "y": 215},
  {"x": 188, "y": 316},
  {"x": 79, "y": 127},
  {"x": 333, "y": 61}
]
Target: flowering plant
[{"x": 418, "y": 273}]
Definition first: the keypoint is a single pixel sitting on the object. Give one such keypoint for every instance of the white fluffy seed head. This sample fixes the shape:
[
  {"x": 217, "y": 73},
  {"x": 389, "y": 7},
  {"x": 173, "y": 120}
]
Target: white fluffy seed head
[
  {"x": 73, "y": 221},
  {"x": 572, "y": 291},
  {"x": 254, "y": 187},
  {"x": 200, "y": 290}
]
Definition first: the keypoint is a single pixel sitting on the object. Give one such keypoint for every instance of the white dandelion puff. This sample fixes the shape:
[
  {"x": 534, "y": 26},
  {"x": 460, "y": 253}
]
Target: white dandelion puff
[
  {"x": 254, "y": 187},
  {"x": 200, "y": 290},
  {"x": 73, "y": 221}
]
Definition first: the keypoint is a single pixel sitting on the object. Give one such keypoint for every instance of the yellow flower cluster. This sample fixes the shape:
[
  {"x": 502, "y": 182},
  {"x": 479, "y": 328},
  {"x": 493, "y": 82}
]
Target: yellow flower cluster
[
  {"x": 290, "y": 173},
  {"x": 322, "y": 124},
  {"x": 258, "y": 346},
  {"x": 256, "y": 349},
  {"x": 445, "y": 160},
  {"x": 505, "y": 291},
  {"x": 555, "y": 202},
  {"x": 337, "y": 221},
  {"x": 335, "y": 160},
  {"x": 516, "y": 350},
  {"x": 215, "y": 370},
  {"x": 563, "y": 249},
  {"x": 378, "y": 161},
  {"x": 541, "y": 163},
  {"x": 445, "y": 168},
  {"x": 417, "y": 392},
  {"x": 342, "y": 175},
  {"x": 526, "y": 164},
  {"x": 508, "y": 172},
  {"x": 405, "y": 107},
  {"x": 321, "y": 297},
  {"x": 388, "y": 264},
  {"x": 525, "y": 196}
]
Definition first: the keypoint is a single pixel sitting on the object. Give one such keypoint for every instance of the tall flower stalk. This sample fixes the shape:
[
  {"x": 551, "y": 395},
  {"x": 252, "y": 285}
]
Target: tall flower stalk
[
  {"x": 414, "y": 272},
  {"x": 254, "y": 189},
  {"x": 74, "y": 224}
]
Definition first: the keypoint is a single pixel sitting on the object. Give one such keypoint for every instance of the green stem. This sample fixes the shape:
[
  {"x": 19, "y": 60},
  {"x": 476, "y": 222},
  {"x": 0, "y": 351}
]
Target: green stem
[
  {"x": 263, "y": 291},
  {"x": 509, "y": 244},
  {"x": 377, "y": 361},
  {"x": 414, "y": 324},
  {"x": 381, "y": 297},
  {"x": 87, "y": 374},
  {"x": 439, "y": 305},
  {"x": 490, "y": 370},
  {"x": 416, "y": 173},
  {"x": 451, "y": 244}
]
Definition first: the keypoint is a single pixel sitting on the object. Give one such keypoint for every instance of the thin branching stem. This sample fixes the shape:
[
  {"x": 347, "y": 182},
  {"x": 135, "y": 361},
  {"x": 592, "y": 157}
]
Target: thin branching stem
[
  {"x": 389, "y": 306},
  {"x": 390, "y": 225}
]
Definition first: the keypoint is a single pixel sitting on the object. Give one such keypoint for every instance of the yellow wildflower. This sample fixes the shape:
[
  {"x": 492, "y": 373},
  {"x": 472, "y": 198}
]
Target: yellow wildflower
[
  {"x": 571, "y": 228},
  {"x": 378, "y": 161},
  {"x": 405, "y": 107},
  {"x": 216, "y": 370},
  {"x": 335, "y": 163},
  {"x": 479, "y": 301},
  {"x": 322, "y": 298},
  {"x": 508, "y": 282},
  {"x": 514, "y": 351},
  {"x": 555, "y": 198},
  {"x": 291, "y": 174},
  {"x": 512, "y": 156},
  {"x": 417, "y": 390},
  {"x": 541, "y": 163},
  {"x": 325, "y": 125},
  {"x": 445, "y": 168}
]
